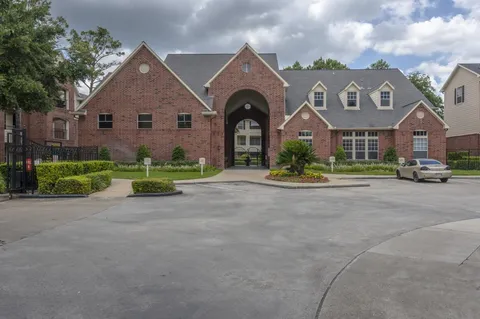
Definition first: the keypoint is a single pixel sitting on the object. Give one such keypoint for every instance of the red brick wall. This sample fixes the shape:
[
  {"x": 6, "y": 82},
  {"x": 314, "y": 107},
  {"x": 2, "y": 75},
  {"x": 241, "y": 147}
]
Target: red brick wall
[
  {"x": 463, "y": 142},
  {"x": 231, "y": 80},
  {"x": 437, "y": 141},
  {"x": 321, "y": 133},
  {"x": 157, "y": 92}
]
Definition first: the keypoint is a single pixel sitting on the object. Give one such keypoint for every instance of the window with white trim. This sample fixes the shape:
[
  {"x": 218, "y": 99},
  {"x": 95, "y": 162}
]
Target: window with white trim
[
  {"x": 460, "y": 95},
  {"x": 241, "y": 125},
  {"x": 184, "y": 120},
  {"x": 420, "y": 144},
  {"x": 361, "y": 145},
  {"x": 105, "y": 120},
  {"x": 60, "y": 129},
  {"x": 255, "y": 140},
  {"x": 318, "y": 99},
  {"x": 352, "y": 99},
  {"x": 385, "y": 99},
  {"x": 306, "y": 136},
  {"x": 254, "y": 125},
  {"x": 241, "y": 140},
  {"x": 144, "y": 120}
]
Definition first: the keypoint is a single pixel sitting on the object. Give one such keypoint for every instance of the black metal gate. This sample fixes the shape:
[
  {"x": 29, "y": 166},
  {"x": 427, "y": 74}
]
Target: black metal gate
[{"x": 20, "y": 169}]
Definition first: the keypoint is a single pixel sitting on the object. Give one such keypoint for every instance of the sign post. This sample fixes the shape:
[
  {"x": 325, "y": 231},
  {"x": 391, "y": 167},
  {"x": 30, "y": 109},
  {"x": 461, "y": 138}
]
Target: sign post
[
  {"x": 401, "y": 160},
  {"x": 332, "y": 160},
  {"x": 201, "y": 161},
  {"x": 147, "y": 161}
]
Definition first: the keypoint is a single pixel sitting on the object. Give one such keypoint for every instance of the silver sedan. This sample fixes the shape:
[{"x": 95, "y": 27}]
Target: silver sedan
[{"x": 421, "y": 169}]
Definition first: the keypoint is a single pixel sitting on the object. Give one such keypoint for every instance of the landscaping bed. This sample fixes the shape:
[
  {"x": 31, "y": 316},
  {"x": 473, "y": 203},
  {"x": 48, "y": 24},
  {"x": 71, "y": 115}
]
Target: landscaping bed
[
  {"x": 149, "y": 187},
  {"x": 286, "y": 176}
]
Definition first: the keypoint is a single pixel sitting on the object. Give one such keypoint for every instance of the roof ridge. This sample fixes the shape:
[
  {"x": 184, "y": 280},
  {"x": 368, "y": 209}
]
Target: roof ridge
[{"x": 215, "y": 53}]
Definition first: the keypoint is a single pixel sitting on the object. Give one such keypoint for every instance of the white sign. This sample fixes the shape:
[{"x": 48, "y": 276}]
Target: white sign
[
  {"x": 332, "y": 159},
  {"x": 401, "y": 160},
  {"x": 147, "y": 161},
  {"x": 201, "y": 161}
]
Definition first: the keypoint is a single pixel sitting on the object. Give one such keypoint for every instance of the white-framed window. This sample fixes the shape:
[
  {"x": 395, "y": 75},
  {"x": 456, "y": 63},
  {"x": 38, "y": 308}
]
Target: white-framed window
[
  {"x": 319, "y": 99},
  {"x": 62, "y": 101},
  {"x": 352, "y": 99},
  {"x": 385, "y": 98},
  {"x": 254, "y": 125},
  {"x": 255, "y": 140},
  {"x": 241, "y": 125},
  {"x": 306, "y": 136},
  {"x": 460, "y": 95},
  {"x": 420, "y": 144},
  {"x": 105, "y": 120},
  {"x": 184, "y": 120},
  {"x": 360, "y": 145},
  {"x": 241, "y": 140},
  {"x": 246, "y": 67},
  {"x": 144, "y": 120},
  {"x": 60, "y": 129}
]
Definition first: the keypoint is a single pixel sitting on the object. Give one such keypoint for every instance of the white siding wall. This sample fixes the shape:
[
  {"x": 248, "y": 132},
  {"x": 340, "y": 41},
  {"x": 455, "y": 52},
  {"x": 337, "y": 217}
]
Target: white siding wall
[{"x": 463, "y": 118}]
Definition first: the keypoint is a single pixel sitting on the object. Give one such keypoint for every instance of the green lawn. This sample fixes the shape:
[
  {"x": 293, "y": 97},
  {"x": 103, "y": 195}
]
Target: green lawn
[
  {"x": 456, "y": 172},
  {"x": 173, "y": 175}
]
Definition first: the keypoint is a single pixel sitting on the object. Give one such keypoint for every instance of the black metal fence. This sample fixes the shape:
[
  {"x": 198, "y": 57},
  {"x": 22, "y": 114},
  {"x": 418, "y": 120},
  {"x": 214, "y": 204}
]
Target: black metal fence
[
  {"x": 249, "y": 157},
  {"x": 464, "y": 159},
  {"x": 52, "y": 153}
]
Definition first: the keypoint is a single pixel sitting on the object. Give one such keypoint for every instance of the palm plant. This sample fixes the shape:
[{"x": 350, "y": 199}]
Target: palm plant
[{"x": 296, "y": 154}]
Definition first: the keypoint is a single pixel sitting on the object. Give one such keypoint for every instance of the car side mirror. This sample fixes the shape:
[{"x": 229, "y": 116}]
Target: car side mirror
[{"x": 403, "y": 165}]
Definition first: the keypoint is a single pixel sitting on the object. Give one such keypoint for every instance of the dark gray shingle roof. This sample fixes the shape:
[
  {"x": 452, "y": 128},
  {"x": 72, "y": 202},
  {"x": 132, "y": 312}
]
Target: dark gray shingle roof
[{"x": 475, "y": 67}]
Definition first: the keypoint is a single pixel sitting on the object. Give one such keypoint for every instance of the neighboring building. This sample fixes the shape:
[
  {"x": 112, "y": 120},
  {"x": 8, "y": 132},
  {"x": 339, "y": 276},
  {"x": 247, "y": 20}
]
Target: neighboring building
[
  {"x": 58, "y": 127},
  {"x": 248, "y": 137},
  {"x": 197, "y": 100},
  {"x": 462, "y": 107}
]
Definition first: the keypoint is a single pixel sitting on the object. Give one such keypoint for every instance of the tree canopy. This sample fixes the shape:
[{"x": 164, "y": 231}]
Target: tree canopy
[
  {"x": 319, "y": 64},
  {"x": 31, "y": 66},
  {"x": 380, "y": 65},
  {"x": 89, "y": 54},
  {"x": 423, "y": 83}
]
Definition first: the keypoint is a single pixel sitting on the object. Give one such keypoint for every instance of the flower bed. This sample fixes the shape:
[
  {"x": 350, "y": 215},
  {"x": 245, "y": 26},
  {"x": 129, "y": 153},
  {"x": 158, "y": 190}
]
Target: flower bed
[{"x": 285, "y": 176}]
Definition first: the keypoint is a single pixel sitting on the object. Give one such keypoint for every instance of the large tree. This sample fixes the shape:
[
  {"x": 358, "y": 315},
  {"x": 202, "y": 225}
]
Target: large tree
[
  {"x": 423, "y": 83},
  {"x": 30, "y": 64},
  {"x": 295, "y": 66},
  {"x": 380, "y": 65},
  {"x": 320, "y": 64},
  {"x": 90, "y": 55}
]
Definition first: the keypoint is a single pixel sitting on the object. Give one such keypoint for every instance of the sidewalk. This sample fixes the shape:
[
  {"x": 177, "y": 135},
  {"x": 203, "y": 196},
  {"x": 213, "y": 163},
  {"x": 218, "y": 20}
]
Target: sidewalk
[
  {"x": 119, "y": 188},
  {"x": 432, "y": 272}
]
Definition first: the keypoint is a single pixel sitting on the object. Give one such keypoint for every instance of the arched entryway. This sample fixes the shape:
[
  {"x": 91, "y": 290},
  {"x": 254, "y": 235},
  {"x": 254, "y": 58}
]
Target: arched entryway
[{"x": 243, "y": 106}]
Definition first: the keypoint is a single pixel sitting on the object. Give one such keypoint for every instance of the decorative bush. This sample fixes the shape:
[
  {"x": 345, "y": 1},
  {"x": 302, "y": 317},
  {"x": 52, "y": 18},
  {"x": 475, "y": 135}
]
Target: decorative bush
[
  {"x": 104, "y": 154},
  {"x": 454, "y": 156},
  {"x": 296, "y": 154},
  {"x": 167, "y": 168},
  {"x": 465, "y": 164},
  {"x": 3, "y": 187},
  {"x": 178, "y": 154},
  {"x": 313, "y": 175},
  {"x": 286, "y": 176},
  {"x": 73, "y": 185},
  {"x": 97, "y": 166},
  {"x": 142, "y": 152},
  {"x": 100, "y": 180},
  {"x": 356, "y": 167},
  {"x": 153, "y": 185},
  {"x": 340, "y": 154},
  {"x": 161, "y": 163},
  {"x": 390, "y": 155},
  {"x": 281, "y": 173}
]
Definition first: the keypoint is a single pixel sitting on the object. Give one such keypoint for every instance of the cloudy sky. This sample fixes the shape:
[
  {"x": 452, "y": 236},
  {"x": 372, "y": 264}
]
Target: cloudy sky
[{"x": 426, "y": 35}]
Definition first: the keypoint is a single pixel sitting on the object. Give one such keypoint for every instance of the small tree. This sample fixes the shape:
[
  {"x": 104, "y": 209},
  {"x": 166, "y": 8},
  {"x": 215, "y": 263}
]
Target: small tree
[
  {"x": 178, "y": 153},
  {"x": 142, "y": 152},
  {"x": 296, "y": 154},
  {"x": 340, "y": 154},
  {"x": 390, "y": 155},
  {"x": 104, "y": 154}
]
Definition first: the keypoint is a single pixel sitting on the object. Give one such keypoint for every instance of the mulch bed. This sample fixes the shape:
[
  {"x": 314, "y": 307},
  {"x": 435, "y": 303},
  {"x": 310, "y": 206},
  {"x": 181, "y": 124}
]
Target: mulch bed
[{"x": 297, "y": 179}]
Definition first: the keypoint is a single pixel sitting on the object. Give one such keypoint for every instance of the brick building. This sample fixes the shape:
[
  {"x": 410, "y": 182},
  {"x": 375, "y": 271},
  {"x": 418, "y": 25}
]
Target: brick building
[{"x": 197, "y": 100}]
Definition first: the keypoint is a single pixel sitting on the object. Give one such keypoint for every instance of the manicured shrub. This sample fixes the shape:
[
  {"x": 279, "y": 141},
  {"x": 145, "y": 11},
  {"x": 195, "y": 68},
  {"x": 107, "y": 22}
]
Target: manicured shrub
[
  {"x": 167, "y": 168},
  {"x": 312, "y": 175},
  {"x": 465, "y": 164},
  {"x": 104, "y": 154},
  {"x": 49, "y": 173},
  {"x": 390, "y": 155},
  {"x": 178, "y": 154},
  {"x": 281, "y": 173},
  {"x": 340, "y": 154},
  {"x": 97, "y": 166},
  {"x": 296, "y": 154},
  {"x": 73, "y": 185},
  {"x": 454, "y": 156},
  {"x": 100, "y": 180},
  {"x": 142, "y": 152},
  {"x": 3, "y": 186},
  {"x": 153, "y": 185}
]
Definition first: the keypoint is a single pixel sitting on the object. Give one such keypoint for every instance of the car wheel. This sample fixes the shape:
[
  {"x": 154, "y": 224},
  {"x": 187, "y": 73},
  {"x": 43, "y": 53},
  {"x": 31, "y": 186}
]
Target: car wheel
[
  {"x": 443, "y": 180},
  {"x": 399, "y": 176},
  {"x": 415, "y": 177}
]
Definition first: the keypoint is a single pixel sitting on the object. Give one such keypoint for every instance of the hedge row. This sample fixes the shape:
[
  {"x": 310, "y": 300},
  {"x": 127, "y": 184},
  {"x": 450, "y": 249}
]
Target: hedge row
[
  {"x": 49, "y": 173},
  {"x": 83, "y": 184},
  {"x": 385, "y": 167},
  {"x": 465, "y": 164},
  {"x": 166, "y": 168},
  {"x": 159, "y": 163},
  {"x": 153, "y": 185}
]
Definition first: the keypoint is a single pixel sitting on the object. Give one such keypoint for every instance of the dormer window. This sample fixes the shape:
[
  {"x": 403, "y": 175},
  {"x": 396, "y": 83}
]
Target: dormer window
[
  {"x": 319, "y": 99},
  {"x": 385, "y": 99},
  {"x": 352, "y": 99}
]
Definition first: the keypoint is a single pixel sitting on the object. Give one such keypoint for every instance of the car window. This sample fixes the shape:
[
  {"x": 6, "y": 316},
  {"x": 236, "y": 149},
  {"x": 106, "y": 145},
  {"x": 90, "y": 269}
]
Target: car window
[
  {"x": 412, "y": 163},
  {"x": 429, "y": 162}
]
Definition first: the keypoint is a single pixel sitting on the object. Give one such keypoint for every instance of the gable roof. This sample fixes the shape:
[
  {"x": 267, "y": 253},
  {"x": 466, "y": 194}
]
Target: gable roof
[
  {"x": 473, "y": 68},
  {"x": 421, "y": 103},
  {"x": 305, "y": 104},
  {"x": 246, "y": 46},
  {"x": 111, "y": 75},
  {"x": 349, "y": 85},
  {"x": 316, "y": 85},
  {"x": 369, "y": 116},
  {"x": 382, "y": 86}
]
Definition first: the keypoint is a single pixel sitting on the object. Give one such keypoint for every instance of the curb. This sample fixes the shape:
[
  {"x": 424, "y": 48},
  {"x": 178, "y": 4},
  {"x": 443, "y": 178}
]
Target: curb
[
  {"x": 4, "y": 197},
  {"x": 393, "y": 177},
  {"x": 156, "y": 194},
  {"x": 43, "y": 196},
  {"x": 299, "y": 186}
]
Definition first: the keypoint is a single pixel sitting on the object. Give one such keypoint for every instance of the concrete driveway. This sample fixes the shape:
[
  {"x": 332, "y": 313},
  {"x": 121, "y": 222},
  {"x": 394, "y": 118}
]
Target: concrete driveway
[{"x": 220, "y": 251}]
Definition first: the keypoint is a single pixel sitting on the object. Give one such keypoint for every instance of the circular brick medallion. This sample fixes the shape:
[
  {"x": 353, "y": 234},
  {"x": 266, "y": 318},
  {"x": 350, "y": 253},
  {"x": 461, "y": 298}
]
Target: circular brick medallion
[
  {"x": 144, "y": 68},
  {"x": 305, "y": 115},
  {"x": 420, "y": 114}
]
